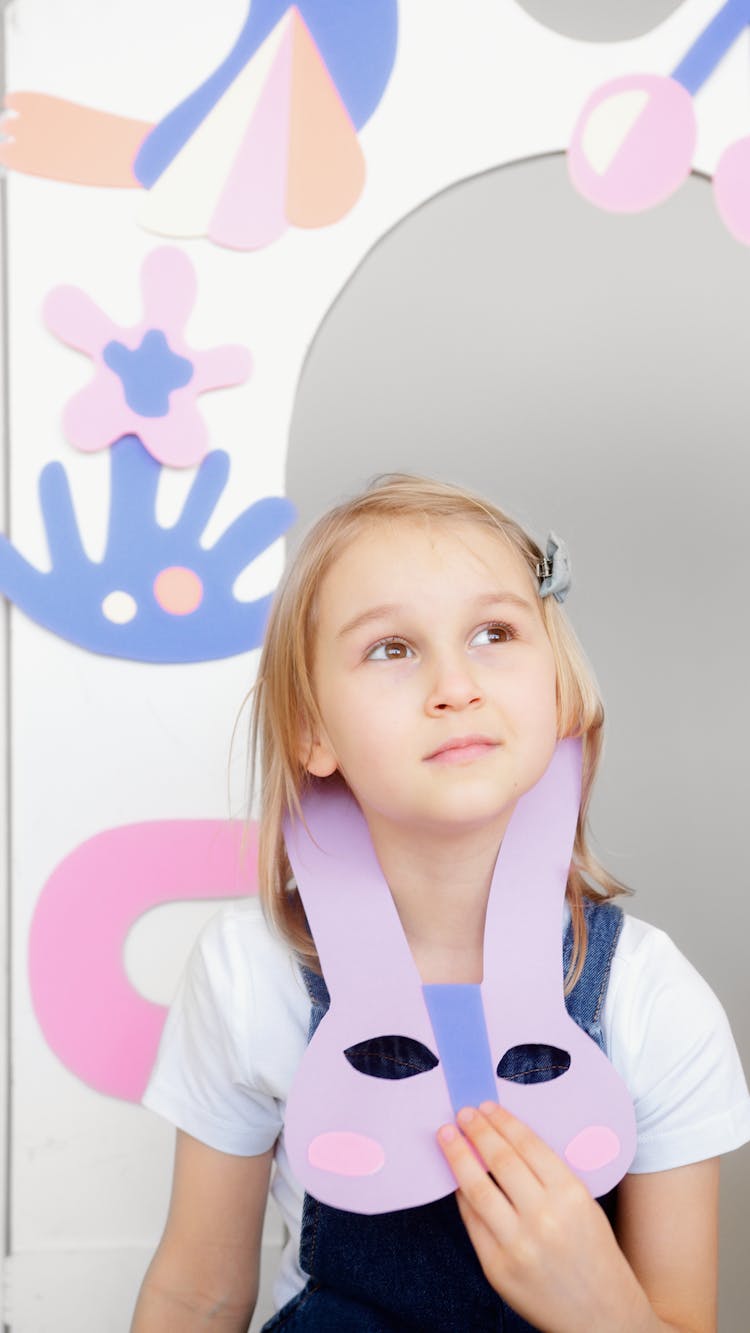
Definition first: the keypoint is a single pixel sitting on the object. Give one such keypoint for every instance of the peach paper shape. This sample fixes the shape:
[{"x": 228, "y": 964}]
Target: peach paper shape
[{"x": 61, "y": 140}]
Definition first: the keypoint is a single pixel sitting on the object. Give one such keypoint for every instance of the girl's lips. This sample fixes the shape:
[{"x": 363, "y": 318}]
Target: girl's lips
[{"x": 462, "y": 754}]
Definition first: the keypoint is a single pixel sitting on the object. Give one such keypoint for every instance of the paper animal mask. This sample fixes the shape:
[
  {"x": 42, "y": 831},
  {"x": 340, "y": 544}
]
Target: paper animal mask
[{"x": 367, "y": 1144}]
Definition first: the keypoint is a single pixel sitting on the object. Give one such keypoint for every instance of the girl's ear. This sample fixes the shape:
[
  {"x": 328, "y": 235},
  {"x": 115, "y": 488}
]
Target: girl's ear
[{"x": 316, "y": 754}]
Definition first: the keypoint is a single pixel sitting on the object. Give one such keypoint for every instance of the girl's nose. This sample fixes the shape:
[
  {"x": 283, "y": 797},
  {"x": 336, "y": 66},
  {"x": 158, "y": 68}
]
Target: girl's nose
[{"x": 454, "y": 686}]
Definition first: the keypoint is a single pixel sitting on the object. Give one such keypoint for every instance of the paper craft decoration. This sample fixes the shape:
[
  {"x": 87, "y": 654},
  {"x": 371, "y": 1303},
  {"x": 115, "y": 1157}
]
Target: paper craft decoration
[
  {"x": 357, "y": 43},
  {"x": 157, "y": 595},
  {"x": 367, "y": 1144},
  {"x": 147, "y": 378},
  {"x": 92, "y": 1018},
  {"x": 60, "y": 140},
  {"x": 268, "y": 140},
  {"x": 634, "y": 140}
]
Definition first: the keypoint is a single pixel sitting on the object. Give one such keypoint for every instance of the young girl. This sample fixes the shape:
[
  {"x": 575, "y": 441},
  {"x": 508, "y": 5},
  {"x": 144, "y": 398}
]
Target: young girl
[{"x": 417, "y": 652}]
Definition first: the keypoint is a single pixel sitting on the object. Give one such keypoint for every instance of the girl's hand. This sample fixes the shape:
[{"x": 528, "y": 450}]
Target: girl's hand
[{"x": 542, "y": 1241}]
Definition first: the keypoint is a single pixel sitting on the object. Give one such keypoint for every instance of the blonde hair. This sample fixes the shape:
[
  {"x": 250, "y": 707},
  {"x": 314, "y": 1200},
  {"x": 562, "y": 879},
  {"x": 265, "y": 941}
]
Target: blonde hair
[{"x": 284, "y": 707}]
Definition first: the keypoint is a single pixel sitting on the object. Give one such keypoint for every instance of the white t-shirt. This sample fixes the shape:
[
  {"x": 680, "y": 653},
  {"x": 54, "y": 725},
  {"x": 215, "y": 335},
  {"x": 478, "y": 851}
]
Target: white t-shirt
[{"x": 239, "y": 1023}]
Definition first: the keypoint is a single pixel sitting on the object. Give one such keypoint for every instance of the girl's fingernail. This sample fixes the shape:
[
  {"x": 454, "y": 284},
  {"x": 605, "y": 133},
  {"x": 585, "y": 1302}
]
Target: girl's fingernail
[
  {"x": 487, "y": 1107},
  {"x": 447, "y": 1134},
  {"x": 466, "y": 1115}
]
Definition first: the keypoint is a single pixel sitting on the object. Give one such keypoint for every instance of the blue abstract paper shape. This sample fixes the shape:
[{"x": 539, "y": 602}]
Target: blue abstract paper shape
[
  {"x": 69, "y": 599},
  {"x": 356, "y": 40},
  {"x": 148, "y": 373},
  {"x": 712, "y": 44},
  {"x": 457, "y": 1017}
]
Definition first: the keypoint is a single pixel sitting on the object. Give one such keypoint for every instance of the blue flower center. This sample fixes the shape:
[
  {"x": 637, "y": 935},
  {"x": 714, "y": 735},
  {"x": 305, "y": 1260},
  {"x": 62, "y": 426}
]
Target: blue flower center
[{"x": 149, "y": 373}]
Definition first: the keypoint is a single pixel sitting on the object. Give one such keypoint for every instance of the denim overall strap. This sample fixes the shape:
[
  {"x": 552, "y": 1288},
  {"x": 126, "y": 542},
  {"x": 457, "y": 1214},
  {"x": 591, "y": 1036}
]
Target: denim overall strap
[{"x": 415, "y": 1270}]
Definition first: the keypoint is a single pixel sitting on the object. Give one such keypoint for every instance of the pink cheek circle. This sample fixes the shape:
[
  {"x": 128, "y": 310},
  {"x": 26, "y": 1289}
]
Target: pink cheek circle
[
  {"x": 633, "y": 143},
  {"x": 731, "y": 189},
  {"x": 595, "y": 1147},
  {"x": 346, "y": 1154},
  {"x": 178, "y": 591}
]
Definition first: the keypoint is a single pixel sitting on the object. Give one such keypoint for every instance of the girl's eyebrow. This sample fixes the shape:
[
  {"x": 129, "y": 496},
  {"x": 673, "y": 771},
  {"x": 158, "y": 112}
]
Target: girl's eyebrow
[
  {"x": 395, "y": 608},
  {"x": 374, "y": 613}
]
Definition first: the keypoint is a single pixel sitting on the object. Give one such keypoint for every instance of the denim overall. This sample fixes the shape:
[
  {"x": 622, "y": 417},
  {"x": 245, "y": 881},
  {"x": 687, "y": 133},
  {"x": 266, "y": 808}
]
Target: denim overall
[{"x": 415, "y": 1270}]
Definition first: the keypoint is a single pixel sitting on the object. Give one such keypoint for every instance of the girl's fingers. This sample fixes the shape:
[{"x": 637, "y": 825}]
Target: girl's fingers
[
  {"x": 548, "y": 1168},
  {"x": 513, "y": 1173},
  {"x": 486, "y": 1200},
  {"x": 482, "y": 1237}
]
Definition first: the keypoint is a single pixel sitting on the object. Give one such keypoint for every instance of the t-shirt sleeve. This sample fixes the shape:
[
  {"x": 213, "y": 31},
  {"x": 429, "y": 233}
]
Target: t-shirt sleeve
[
  {"x": 207, "y": 1078},
  {"x": 669, "y": 1037}
]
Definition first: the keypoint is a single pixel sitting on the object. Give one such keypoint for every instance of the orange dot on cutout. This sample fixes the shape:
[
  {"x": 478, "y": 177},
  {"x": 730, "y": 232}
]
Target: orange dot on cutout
[{"x": 178, "y": 590}]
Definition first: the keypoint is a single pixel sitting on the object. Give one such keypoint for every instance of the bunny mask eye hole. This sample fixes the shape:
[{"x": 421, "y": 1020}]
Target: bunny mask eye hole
[
  {"x": 533, "y": 1062},
  {"x": 391, "y": 1057}
]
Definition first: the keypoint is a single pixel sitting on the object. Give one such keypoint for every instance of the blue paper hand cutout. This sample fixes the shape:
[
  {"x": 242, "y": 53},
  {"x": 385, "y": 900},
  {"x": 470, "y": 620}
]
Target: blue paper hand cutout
[
  {"x": 357, "y": 39},
  {"x": 157, "y": 595}
]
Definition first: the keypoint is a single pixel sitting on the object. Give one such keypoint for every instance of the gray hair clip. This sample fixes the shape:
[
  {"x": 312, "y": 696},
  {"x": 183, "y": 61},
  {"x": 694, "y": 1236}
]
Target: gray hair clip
[{"x": 554, "y": 570}]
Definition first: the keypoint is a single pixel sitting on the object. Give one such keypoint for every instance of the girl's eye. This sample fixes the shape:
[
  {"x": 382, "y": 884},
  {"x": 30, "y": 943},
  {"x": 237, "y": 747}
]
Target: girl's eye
[
  {"x": 495, "y": 634},
  {"x": 389, "y": 650}
]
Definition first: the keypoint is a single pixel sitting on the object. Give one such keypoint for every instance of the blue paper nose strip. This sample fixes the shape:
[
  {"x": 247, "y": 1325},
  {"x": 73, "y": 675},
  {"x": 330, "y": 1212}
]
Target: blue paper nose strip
[{"x": 457, "y": 1017}]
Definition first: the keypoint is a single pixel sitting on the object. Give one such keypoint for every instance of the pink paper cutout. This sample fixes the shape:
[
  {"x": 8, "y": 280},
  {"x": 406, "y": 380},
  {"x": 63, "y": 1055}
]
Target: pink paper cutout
[
  {"x": 300, "y": 161},
  {"x": 593, "y": 1148},
  {"x": 652, "y": 159},
  {"x": 346, "y": 1154},
  {"x": 92, "y": 1018},
  {"x": 360, "y": 941},
  {"x": 732, "y": 189},
  {"x": 250, "y": 211},
  {"x": 100, "y": 414}
]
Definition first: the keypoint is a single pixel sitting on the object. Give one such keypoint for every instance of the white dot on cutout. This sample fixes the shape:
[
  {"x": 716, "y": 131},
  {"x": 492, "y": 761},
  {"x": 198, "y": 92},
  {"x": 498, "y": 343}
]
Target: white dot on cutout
[
  {"x": 609, "y": 125},
  {"x": 119, "y": 607}
]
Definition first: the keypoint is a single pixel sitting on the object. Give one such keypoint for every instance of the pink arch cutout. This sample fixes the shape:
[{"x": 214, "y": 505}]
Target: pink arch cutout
[{"x": 91, "y": 1016}]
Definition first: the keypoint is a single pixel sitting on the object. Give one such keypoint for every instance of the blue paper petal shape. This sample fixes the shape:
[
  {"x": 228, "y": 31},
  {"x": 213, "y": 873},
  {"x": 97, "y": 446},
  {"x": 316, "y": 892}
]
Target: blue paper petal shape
[{"x": 69, "y": 600}]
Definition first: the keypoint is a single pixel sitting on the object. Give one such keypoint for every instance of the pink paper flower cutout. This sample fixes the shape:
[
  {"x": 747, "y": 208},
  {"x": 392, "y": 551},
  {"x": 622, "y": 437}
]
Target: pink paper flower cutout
[{"x": 146, "y": 378}]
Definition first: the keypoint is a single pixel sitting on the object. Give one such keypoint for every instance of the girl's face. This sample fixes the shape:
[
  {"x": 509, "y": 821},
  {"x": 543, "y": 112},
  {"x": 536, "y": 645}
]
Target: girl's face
[{"x": 429, "y": 636}]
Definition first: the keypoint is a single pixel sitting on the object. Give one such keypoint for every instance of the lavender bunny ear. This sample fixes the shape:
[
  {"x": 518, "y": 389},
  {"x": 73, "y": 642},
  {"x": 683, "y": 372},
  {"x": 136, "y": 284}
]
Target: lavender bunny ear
[
  {"x": 555, "y": 570},
  {"x": 365, "y": 1141}
]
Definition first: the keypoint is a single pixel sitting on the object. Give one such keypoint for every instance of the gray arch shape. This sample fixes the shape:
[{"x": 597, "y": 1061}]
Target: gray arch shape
[
  {"x": 589, "y": 372},
  {"x": 600, "y": 20}
]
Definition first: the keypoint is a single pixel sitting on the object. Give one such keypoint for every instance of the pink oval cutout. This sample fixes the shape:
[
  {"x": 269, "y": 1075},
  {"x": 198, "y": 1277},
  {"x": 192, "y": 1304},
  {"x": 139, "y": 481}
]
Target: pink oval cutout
[
  {"x": 346, "y": 1154},
  {"x": 594, "y": 1147},
  {"x": 178, "y": 590}
]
